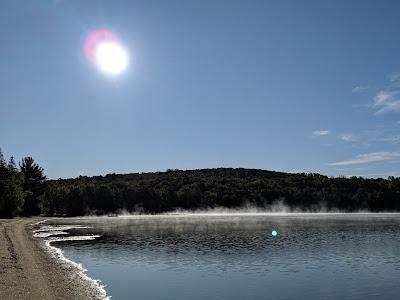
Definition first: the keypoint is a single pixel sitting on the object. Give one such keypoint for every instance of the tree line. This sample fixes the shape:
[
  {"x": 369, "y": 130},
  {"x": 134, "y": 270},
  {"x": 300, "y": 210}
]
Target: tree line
[
  {"x": 29, "y": 193},
  {"x": 214, "y": 188},
  {"x": 21, "y": 188}
]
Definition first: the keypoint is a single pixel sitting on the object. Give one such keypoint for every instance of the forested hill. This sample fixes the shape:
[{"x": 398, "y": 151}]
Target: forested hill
[{"x": 210, "y": 188}]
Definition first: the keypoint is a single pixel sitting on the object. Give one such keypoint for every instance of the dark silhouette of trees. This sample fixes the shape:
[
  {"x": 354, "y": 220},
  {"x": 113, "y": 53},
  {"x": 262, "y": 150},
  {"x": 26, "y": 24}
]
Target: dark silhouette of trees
[
  {"x": 34, "y": 185},
  {"x": 26, "y": 191},
  {"x": 11, "y": 193},
  {"x": 209, "y": 188}
]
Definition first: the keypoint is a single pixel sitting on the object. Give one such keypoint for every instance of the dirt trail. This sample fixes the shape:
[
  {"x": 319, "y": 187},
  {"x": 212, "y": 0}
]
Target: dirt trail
[{"x": 27, "y": 271}]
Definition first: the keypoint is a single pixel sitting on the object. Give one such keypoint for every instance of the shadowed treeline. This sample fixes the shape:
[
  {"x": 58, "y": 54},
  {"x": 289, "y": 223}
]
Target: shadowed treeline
[
  {"x": 21, "y": 188},
  {"x": 25, "y": 191},
  {"x": 210, "y": 188}
]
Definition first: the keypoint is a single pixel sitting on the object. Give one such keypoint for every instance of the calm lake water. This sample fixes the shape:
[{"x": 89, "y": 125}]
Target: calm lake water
[{"x": 236, "y": 257}]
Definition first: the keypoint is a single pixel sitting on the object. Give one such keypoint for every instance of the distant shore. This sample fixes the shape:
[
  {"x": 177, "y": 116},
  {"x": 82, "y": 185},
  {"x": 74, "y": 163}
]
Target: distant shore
[{"x": 28, "y": 271}]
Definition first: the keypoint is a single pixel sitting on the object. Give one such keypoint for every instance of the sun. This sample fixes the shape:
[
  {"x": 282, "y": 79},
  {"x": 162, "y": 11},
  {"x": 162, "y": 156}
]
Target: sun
[
  {"x": 104, "y": 49},
  {"x": 111, "y": 58}
]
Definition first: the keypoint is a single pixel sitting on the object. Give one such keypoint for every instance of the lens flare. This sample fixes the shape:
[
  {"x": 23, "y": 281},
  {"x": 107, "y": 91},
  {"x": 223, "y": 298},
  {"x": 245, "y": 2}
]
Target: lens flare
[{"x": 103, "y": 49}]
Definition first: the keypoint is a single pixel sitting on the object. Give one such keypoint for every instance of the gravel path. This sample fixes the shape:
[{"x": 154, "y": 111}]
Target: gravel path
[{"x": 28, "y": 271}]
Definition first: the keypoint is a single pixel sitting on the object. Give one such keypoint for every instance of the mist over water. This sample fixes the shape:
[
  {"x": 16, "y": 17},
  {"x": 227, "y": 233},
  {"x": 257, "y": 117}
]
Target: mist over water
[
  {"x": 232, "y": 255},
  {"x": 277, "y": 207}
]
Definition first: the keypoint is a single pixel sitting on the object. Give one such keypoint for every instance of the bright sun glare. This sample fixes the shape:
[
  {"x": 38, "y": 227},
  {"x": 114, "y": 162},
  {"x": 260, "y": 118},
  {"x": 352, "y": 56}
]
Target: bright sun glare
[
  {"x": 111, "y": 58},
  {"x": 104, "y": 49}
]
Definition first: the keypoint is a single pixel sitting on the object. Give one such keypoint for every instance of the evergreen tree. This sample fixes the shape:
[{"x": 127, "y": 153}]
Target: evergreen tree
[
  {"x": 34, "y": 186},
  {"x": 2, "y": 161},
  {"x": 12, "y": 167},
  {"x": 11, "y": 193},
  {"x": 3, "y": 176}
]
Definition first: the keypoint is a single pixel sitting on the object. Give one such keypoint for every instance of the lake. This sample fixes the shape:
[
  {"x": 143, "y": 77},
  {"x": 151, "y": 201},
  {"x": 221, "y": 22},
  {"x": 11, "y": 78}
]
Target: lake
[{"x": 233, "y": 256}]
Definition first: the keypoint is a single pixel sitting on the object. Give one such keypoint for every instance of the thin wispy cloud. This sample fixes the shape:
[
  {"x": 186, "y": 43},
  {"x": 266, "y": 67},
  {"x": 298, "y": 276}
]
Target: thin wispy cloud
[
  {"x": 347, "y": 137},
  {"x": 296, "y": 171},
  {"x": 387, "y": 97},
  {"x": 321, "y": 132},
  {"x": 395, "y": 78},
  {"x": 367, "y": 158},
  {"x": 363, "y": 88},
  {"x": 379, "y": 135},
  {"x": 386, "y": 101},
  {"x": 393, "y": 139}
]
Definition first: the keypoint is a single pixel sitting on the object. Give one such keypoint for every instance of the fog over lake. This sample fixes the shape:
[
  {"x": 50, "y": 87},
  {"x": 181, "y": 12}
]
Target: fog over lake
[{"x": 235, "y": 256}]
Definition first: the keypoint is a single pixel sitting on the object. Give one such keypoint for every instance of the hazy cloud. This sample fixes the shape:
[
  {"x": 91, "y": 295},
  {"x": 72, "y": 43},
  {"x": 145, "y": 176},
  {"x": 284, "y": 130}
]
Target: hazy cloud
[
  {"x": 347, "y": 137},
  {"x": 321, "y": 132},
  {"x": 386, "y": 101},
  {"x": 367, "y": 158},
  {"x": 366, "y": 138},
  {"x": 387, "y": 98},
  {"x": 395, "y": 77},
  {"x": 296, "y": 171},
  {"x": 393, "y": 139},
  {"x": 361, "y": 88}
]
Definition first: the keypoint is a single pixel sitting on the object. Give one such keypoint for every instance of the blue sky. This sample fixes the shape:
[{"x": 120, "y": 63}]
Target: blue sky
[{"x": 310, "y": 86}]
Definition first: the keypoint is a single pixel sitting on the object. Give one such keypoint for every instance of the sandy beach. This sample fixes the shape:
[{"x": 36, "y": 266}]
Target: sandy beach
[{"x": 28, "y": 271}]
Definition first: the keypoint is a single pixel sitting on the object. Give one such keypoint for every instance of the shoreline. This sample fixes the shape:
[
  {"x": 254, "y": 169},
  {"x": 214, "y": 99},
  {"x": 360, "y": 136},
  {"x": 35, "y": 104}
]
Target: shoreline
[{"x": 31, "y": 268}]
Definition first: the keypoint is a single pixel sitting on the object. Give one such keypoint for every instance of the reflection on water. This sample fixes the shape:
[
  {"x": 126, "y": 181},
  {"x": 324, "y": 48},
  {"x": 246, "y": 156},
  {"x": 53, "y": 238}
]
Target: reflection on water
[{"x": 236, "y": 257}]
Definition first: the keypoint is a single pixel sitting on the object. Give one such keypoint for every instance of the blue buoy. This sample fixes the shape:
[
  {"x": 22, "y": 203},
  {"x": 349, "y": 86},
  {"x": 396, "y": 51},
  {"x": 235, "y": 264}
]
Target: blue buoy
[{"x": 274, "y": 233}]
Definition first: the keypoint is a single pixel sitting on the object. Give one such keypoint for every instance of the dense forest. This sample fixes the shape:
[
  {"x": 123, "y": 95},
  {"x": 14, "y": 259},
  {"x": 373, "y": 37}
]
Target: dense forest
[
  {"x": 21, "y": 188},
  {"x": 25, "y": 191}
]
